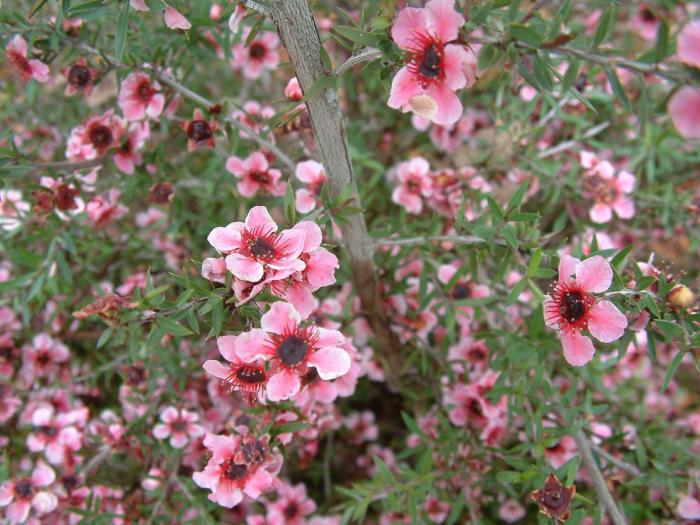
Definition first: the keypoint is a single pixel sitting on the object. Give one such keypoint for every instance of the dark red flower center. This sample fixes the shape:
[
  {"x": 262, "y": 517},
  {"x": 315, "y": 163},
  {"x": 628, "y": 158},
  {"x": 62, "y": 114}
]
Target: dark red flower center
[
  {"x": 291, "y": 510},
  {"x": 461, "y": 291},
  {"x": 24, "y": 489},
  {"x": 79, "y": 76},
  {"x": 257, "y": 50},
  {"x": 21, "y": 62},
  {"x": 261, "y": 248},
  {"x": 135, "y": 374},
  {"x": 427, "y": 58},
  {"x": 235, "y": 471},
  {"x": 145, "y": 91},
  {"x": 260, "y": 176},
  {"x": 254, "y": 451},
  {"x": 100, "y": 136},
  {"x": 572, "y": 306},
  {"x": 179, "y": 425},
  {"x": 199, "y": 130},
  {"x": 47, "y": 430},
  {"x": 250, "y": 375},
  {"x": 602, "y": 190},
  {"x": 293, "y": 350},
  {"x": 431, "y": 64},
  {"x": 43, "y": 358}
]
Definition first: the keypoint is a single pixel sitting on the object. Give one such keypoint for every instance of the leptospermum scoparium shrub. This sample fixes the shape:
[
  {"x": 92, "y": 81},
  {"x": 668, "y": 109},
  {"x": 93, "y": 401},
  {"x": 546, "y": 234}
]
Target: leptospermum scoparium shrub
[{"x": 285, "y": 262}]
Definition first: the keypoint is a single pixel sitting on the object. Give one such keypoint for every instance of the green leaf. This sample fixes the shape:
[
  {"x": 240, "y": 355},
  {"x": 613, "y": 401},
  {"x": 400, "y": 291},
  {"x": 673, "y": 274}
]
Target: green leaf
[
  {"x": 516, "y": 291},
  {"x": 526, "y": 34},
  {"x": 290, "y": 211},
  {"x": 669, "y": 328},
  {"x": 617, "y": 88},
  {"x": 357, "y": 36},
  {"x": 620, "y": 257},
  {"x": 172, "y": 327},
  {"x": 672, "y": 370},
  {"x": 534, "y": 263},
  {"x": 604, "y": 25},
  {"x": 517, "y": 197},
  {"x": 122, "y": 26},
  {"x": 661, "y": 50}
]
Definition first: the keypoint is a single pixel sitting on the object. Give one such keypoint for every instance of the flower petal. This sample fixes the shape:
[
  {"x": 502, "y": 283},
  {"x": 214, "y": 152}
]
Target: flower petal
[
  {"x": 606, "y": 323},
  {"x": 279, "y": 317},
  {"x": 594, "y": 274},
  {"x": 216, "y": 368},
  {"x": 283, "y": 385},
  {"x": 330, "y": 362},
  {"x": 578, "y": 349}
]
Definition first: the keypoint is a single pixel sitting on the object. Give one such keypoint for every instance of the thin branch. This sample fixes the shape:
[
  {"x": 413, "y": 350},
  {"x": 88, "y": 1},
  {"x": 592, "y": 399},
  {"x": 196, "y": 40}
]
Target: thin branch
[
  {"x": 627, "y": 467},
  {"x": 257, "y": 6},
  {"x": 364, "y": 55},
  {"x": 66, "y": 165},
  {"x": 415, "y": 241},
  {"x": 601, "y": 487},
  {"x": 572, "y": 143}
]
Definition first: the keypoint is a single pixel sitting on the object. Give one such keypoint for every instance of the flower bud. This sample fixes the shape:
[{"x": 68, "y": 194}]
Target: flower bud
[
  {"x": 681, "y": 297},
  {"x": 554, "y": 498}
]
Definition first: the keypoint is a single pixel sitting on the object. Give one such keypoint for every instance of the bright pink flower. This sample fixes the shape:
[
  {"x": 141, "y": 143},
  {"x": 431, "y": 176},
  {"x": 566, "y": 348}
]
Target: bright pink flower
[
  {"x": 43, "y": 357},
  {"x": 413, "y": 184},
  {"x": 199, "y": 132},
  {"x": 684, "y": 109},
  {"x": 98, "y": 134},
  {"x": 54, "y": 434},
  {"x": 248, "y": 378},
  {"x": 27, "y": 69},
  {"x": 689, "y": 44},
  {"x": 291, "y": 507},
  {"x": 175, "y": 20},
  {"x": 573, "y": 308},
  {"x": 214, "y": 269},
  {"x": 79, "y": 78},
  {"x": 30, "y": 492},
  {"x": 238, "y": 466},
  {"x": 255, "y": 245},
  {"x": 293, "y": 90},
  {"x": 139, "y": 5},
  {"x": 437, "y": 64},
  {"x": 255, "y": 174},
  {"x": 179, "y": 425},
  {"x": 609, "y": 191},
  {"x": 128, "y": 155},
  {"x": 314, "y": 176},
  {"x": 689, "y": 508},
  {"x": 260, "y": 54},
  {"x": 139, "y": 97},
  {"x": 468, "y": 404},
  {"x": 511, "y": 511},
  {"x": 102, "y": 210},
  {"x": 291, "y": 349}
]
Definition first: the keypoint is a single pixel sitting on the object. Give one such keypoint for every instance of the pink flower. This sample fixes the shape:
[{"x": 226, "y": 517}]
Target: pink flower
[
  {"x": 127, "y": 156},
  {"x": 437, "y": 65},
  {"x": 414, "y": 184},
  {"x": 22, "y": 495},
  {"x": 43, "y": 357},
  {"x": 255, "y": 174},
  {"x": 684, "y": 109},
  {"x": 98, "y": 134},
  {"x": 12, "y": 207},
  {"x": 313, "y": 175},
  {"x": 27, "y": 69},
  {"x": 248, "y": 378},
  {"x": 607, "y": 190},
  {"x": 199, "y": 132},
  {"x": 238, "y": 466},
  {"x": 102, "y": 210},
  {"x": 436, "y": 510},
  {"x": 234, "y": 20},
  {"x": 179, "y": 425},
  {"x": 260, "y": 54},
  {"x": 79, "y": 78},
  {"x": 139, "y": 5},
  {"x": 689, "y": 44},
  {"x": 511, "y": 511},
  {"x": 214, "y": 269},
  {"x": 54, "y": 434},
  {"x": 293, "y": 90},
  {"x": 689, "y": 508},
  {"x": 139, "y": 97},
  {"x": 573, "y": 308},
  {"x": 291, "y": 507},
  {"x": 175, "y": 20},
  {"x": 255, "y": 245},
  {"x": 561, "y": 452},
  {"x": 291, "y": 349}
]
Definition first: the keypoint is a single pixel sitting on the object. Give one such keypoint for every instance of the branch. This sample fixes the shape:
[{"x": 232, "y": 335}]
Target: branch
[
  {"x": 414, "y": 241},
  {"x": 365, "y": 55},
  {"x": 297, "y": 29},
  {"x": 627, "y": 467},
  {"x": 571, "y": 143},
  {"x": 601, "y": 487},
  {"x": 66, "y": 165}
]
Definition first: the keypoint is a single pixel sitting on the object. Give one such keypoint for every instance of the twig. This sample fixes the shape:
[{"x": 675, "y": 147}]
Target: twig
[
  {"x": 571, "y": 143},
  {"x": 364, "y": 55},
  {"x": 414, "y": 241},
  {"x": 630, "y": 469},
  {"x": 66, "y": 165},
  {"x": 601, "y": 487}
]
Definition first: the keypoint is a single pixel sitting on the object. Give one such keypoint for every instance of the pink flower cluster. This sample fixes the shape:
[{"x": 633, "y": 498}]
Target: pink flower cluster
[
  {"x": 291, "y": 263},
  {"x": 684, "y": 106},
  {"x": 609, "y": 190}
]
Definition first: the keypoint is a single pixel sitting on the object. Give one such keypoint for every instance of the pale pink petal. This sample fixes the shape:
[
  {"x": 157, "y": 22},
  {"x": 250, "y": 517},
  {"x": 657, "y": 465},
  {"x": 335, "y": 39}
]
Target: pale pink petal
[
  {"x": 446, "y": 272},
  {"x": 601, "y": 213},
  {"x": 606, "y": 323},
  {"x": 235, "y": 165},
  {"x": 226, "y": 496},
  {"x": 225, "y": 239},
  {"x": 258, "y": 483},
  {"x": 19, "y": 45},
  {"x": 7, "y": 492},
  {"x": 578, "y": 349},
  {"x": 139, "y": 5},
  {"x": 684, "y": 108},
  {"x": 624, "y": 207},
  {"x": 227, "y": 347},
  {"x": 279, "y": 317},
  {"x": 305, "y": 201},
  {"x": 625, "y": 182},
  {"x": 161, "y": 431},
  {"x": 330, "y": 362},
  {"x": 258, "y": 217},
  {"x": 44, "y": 502},
  {"x": 550, "y": 321},
  {"x": 689, "y": 44},
  {"x": 404, "y": 87},
  {"x": 567, "y": 266},
  {"x": 125, "y": 163},
  {"x": 313, "y": 235},
  {"x": 689, "y": 508},
  {"x": 216, "y": 369},
  {"x": 252, "y": 345},
  {"x": 175, "y": 20},
  {"x": 257, "y": 162},
  {"x": 156, "y": 105},
  {"x": 320, "y": 268},
  {"x": 169, "y": 415},
  {"x": 43, "y": 475},
  {"x": 283, "y": 385},
  {"x": 309, "y": 171},
  {"x": 178, "y": 440},
  {"x": 408, "y": 22},
  {"x": 443, "y": 19},
  {"x": 455, "y": 58},
  {"x": 293, "y": 243},
  {"x": 329, "y": 338},
  {"x": 247, "y": 187},
  {"x": 244, "y": 268},
  {"x": 40, "y": 71},
  {"x": 594, "y": 274},
  {"x": 300, "y": 296},
  {"x": 18, "y": 512},
  {"x": 449, "y": 106}
]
